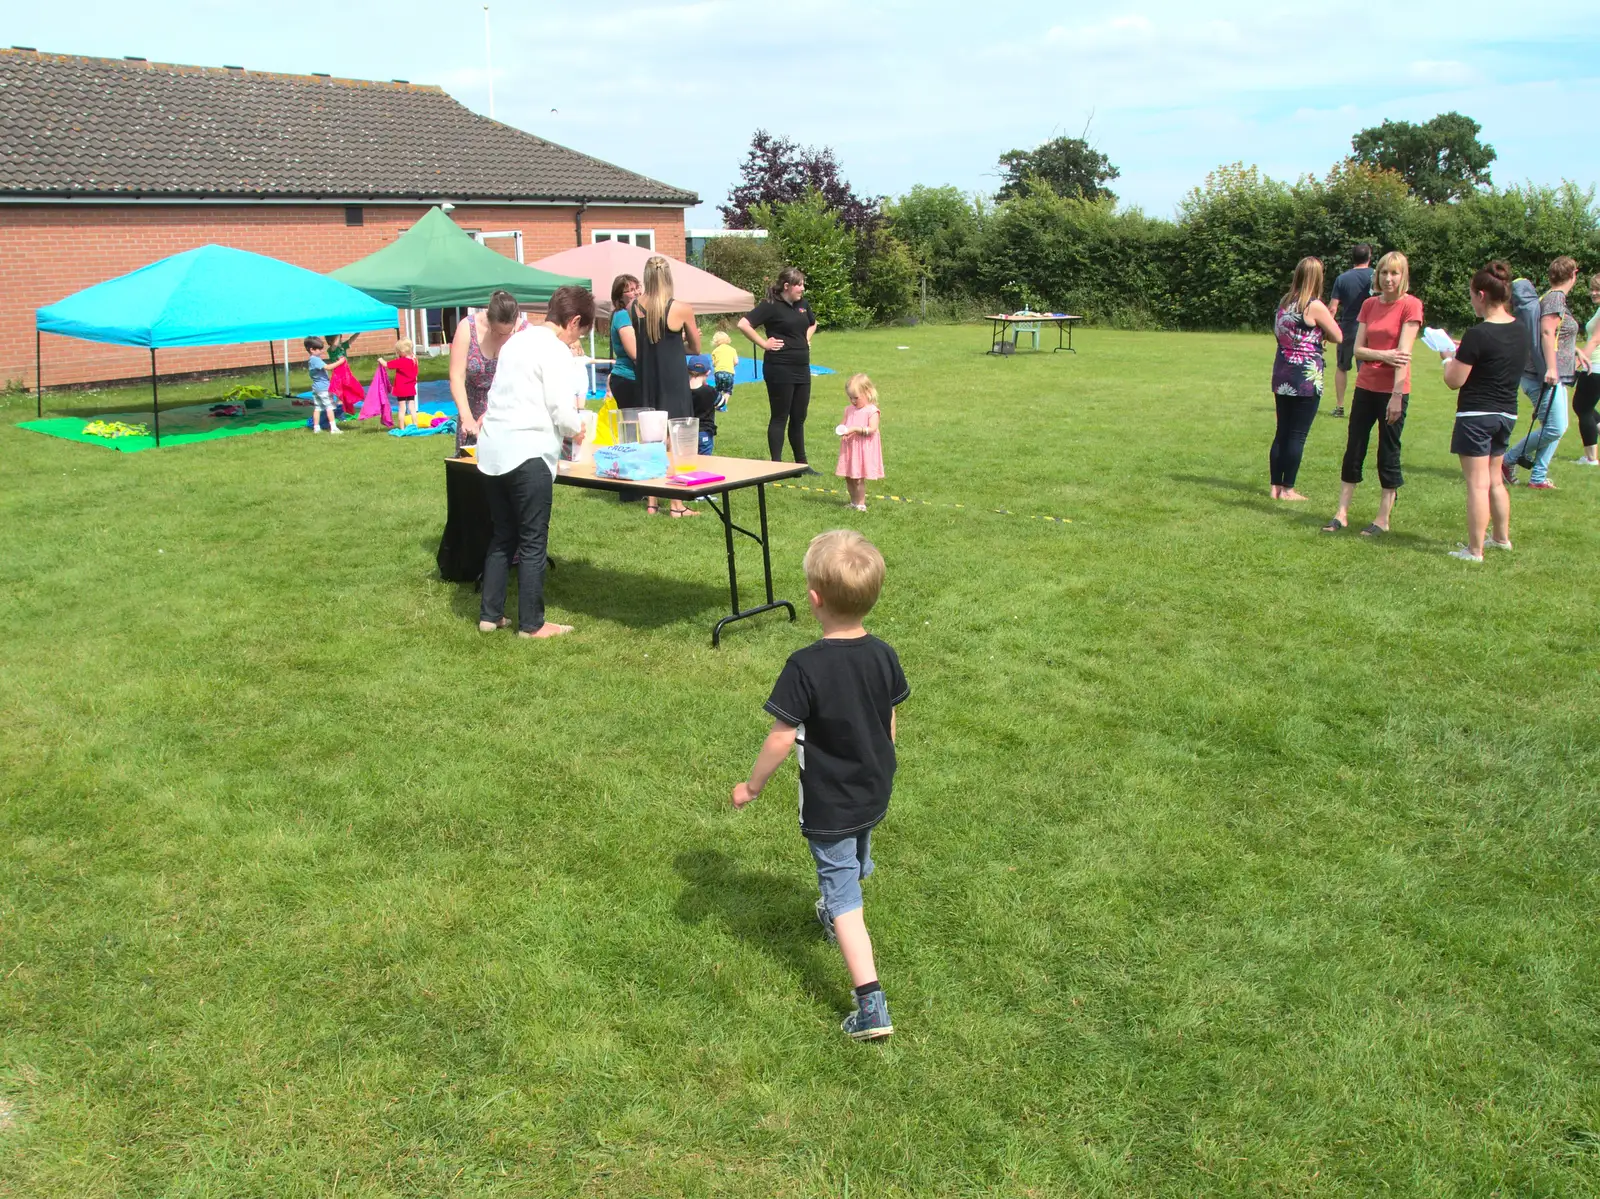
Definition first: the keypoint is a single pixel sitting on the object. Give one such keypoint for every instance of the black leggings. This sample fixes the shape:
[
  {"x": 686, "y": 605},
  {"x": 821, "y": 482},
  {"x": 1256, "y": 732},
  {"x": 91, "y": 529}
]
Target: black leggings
[
  {"x": 1368, "y": 408},
  {"x": 1295, "y": 414},
  {"x": 1584, "y": 398},
  {"x": 789, "y": 394}
]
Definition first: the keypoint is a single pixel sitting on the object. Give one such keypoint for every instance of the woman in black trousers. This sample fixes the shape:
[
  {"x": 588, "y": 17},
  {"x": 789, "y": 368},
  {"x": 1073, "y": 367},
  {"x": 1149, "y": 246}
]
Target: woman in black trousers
[{"x": 789, "y": 324}]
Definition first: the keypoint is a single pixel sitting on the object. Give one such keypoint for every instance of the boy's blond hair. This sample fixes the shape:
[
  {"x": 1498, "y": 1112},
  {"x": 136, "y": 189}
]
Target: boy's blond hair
[
  {"x": 845, "y": 570},
  {"x": 404, "y": 346},
  {"x": 720, "y": 338},
  {"x": 860, "y": 385}
]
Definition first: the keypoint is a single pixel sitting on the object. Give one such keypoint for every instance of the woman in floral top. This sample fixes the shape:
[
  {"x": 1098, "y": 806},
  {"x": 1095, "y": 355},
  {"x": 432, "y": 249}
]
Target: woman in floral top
[{"x": 1302, "y": 324}]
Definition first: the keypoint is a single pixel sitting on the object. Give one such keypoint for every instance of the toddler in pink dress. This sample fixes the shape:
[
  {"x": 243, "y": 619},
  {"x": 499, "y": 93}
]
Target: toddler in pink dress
[{"x": 861, "y": 446}]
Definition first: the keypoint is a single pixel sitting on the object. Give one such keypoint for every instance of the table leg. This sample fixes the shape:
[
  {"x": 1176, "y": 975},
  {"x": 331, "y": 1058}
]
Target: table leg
[
  {"x": 728, "y": 527},
  {"x": 733, "y": 566}
]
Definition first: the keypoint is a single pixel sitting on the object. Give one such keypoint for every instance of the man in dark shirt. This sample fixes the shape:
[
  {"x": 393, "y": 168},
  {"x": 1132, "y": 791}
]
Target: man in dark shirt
[{"x": 1350, "y": 291}]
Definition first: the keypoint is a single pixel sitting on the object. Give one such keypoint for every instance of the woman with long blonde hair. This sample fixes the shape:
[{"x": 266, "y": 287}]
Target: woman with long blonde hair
[
  {"x": 662, "y": 327},
  {"x": 1303, "y": 322},
  {"x": 1390, "y": 322}
]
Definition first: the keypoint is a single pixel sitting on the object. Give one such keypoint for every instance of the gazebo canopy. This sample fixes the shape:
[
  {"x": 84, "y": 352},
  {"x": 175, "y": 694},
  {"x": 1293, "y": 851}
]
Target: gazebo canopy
[
  {"x": 437, "y": 264},
  {"x": 603, "y": 261},
  {"x": 213, "y": 296}
]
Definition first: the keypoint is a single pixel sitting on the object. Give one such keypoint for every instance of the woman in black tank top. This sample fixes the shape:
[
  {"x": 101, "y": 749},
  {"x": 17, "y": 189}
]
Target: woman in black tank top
[{"x": 662, "y": 327}]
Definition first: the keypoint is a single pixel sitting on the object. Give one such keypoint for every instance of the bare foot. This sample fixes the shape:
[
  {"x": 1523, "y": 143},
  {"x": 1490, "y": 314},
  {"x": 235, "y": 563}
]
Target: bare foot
[
  {"x": 1277, "y": 492},
  {"x": 1290, "y": 494},
  {"x": 547, "y": 630},
  {"x": 489, "y": 626}
]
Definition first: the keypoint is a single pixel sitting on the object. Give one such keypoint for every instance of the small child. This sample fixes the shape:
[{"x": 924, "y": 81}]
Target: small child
[
  {"x": 321, "y": 396},
  {"x": 836, "y": 699},
  {"x": 724, "y": 358},
  {"x": 860, "y": 447},
  {"x": 402, "y": 370},
  {"x": 704, "y": 399}
]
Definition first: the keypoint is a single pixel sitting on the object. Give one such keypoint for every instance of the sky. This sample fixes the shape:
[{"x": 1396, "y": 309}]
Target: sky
[{"x": 929, "y": 92}]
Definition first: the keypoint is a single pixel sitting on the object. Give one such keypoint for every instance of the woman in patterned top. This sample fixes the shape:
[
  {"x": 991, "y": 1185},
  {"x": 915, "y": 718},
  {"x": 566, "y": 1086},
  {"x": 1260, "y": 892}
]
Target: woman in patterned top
[
  {"x": 474, "y": 352},
  {"x": 1302, "y": 324}
]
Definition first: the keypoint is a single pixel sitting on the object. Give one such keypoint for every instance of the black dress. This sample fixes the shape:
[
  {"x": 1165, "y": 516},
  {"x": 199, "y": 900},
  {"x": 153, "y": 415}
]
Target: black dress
[{"x": 663, "y": 369}]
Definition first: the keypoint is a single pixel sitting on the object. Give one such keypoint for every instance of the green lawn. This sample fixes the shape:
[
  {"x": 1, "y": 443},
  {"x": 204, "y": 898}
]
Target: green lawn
[{"x": 1226, "y": 856}]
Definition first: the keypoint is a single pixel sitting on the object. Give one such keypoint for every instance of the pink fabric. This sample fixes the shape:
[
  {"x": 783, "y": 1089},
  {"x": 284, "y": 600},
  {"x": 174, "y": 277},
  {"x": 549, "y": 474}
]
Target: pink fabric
[
  {"x": 376, "y": 402},
  {"x": 860, "y": 457},
  {"x": 345, "y": 386}
]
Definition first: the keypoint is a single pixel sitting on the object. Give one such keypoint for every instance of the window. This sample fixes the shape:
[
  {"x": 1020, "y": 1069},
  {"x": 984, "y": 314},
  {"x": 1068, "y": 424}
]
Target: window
[
  {"x": 645, "y": 239},
  {"x": 354, "y": 215}
]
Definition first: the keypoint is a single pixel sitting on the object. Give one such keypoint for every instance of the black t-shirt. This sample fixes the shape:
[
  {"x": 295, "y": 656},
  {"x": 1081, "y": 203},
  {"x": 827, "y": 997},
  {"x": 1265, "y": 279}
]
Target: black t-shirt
[
  {"x": 787, "y": 322},
  {"x": 1351, "y": 289},
  {"x": 1496, "y": 354},
  {"x": 840, "y": 695}
]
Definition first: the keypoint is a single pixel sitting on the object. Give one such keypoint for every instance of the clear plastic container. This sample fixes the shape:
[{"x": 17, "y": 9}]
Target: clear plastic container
[
  {"x": 652, "y": 424},
  {"x": 628, "y": 426},
  {"x": 683, "y": 442}
]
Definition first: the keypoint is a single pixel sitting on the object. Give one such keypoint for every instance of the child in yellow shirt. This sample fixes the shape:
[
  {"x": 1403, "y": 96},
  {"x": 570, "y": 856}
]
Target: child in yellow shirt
[{"x": 723, "y": 360}]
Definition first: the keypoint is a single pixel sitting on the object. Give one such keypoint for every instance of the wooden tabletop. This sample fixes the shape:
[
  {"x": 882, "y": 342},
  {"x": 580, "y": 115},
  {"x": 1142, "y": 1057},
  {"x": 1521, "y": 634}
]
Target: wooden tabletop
[{"x": 737, "y": 472}]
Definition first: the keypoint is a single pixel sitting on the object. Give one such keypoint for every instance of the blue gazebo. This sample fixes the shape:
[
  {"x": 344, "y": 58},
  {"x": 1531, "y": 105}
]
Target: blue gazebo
[{"x": 212, "y": 296}]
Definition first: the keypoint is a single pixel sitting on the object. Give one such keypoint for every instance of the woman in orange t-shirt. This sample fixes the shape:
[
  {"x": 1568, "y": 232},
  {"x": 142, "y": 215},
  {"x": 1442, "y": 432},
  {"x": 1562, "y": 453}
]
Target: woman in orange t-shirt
[{"x": 1390, "y": 322}]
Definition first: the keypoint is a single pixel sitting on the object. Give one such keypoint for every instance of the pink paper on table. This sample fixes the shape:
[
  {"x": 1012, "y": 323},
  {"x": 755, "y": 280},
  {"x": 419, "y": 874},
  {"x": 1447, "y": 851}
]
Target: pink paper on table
[{"x": 696, "y": 478}]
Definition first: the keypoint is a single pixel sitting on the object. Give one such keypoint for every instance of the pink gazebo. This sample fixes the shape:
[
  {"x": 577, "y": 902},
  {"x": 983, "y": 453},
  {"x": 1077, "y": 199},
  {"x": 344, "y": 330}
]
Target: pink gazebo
[{"x": 603, "y": 261}]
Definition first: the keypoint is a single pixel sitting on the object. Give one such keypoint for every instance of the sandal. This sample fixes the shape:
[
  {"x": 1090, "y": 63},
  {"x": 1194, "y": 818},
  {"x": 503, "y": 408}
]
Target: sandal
[
  {"x": 1334, "y": 526},
  {"x": 652, "y": 509},
  {"x": 557, "y": 630},
  {"x": 677, "y": 512},
  {"x": 1373, "y": 531},
  {"x": 489, "y": 626}
]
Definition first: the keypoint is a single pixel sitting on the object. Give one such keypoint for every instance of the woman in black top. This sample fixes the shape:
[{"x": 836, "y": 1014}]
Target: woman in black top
[
  {"x": 1484, "y": 370},
  {"x": 662, "y": 325},
  {"x": 789, "y": 324}
]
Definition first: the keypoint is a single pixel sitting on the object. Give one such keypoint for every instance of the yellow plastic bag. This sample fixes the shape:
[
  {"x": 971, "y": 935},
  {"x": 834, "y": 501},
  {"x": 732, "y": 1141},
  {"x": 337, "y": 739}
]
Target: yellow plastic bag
[{"x": 607, "y": 421}]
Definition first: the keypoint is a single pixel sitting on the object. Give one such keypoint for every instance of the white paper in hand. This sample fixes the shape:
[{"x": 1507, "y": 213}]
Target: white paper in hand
[
  {"x": 1439, "y": 342},
  {"x": 842, "y": 430}
]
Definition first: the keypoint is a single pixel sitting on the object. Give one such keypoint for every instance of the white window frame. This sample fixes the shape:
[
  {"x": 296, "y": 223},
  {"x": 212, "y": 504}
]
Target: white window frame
[
  {"x": 628, "y": 237},
  {"x": 515, "y": 234}
]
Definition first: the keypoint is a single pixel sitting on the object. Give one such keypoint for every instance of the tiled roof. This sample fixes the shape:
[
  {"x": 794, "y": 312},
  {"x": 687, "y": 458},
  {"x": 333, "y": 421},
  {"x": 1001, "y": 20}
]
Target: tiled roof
[{"x": 85, "y": 127}]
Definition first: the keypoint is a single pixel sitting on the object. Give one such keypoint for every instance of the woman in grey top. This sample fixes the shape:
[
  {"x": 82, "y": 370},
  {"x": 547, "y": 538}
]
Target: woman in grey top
[{"x": 1558, "y": 335}]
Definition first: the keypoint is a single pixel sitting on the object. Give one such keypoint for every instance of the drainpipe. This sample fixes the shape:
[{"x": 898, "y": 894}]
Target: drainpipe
[{"x": 577, "y": 221}]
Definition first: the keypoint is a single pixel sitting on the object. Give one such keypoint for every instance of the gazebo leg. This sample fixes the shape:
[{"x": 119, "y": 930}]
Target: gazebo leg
[
  {"x": 273, "y": 351},
  {"x": 155, "y": 395},
  {"x": 38, "y": 374}
]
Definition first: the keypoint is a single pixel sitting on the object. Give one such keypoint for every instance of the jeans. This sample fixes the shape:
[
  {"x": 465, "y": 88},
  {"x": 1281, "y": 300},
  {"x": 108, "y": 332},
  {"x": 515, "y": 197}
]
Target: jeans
[
  {"x": 1295, "y": 414},
  {"x": 1541, "y": 443},
  {"x": 519, "y": 504},
  {"x": 841, "y": 865},
  {"x": 1368, "y": 408},
  {"x": 708, "y": 444},
  {"x": 789, "y": 394}
]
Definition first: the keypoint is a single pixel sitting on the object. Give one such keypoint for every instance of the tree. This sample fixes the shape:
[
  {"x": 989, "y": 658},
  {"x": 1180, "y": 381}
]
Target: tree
[
  {"x": 778, "y": 172},
  {"x": 1440, "y": 160},
  {"x": 811, "y": 235},
  {"x": 1068, "y": 164}
]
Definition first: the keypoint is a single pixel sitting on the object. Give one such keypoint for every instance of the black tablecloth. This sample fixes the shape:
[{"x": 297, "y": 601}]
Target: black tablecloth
[{"x": 467, "y": 523}]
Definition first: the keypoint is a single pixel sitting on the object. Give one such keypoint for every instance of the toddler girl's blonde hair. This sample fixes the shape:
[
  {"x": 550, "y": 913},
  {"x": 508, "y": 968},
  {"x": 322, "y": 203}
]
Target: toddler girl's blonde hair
[
  {"x": 720, "y": 338},
  {"x": 845, "y": 570},
  {"x": 404, "y": 346},
  {"x": 861, "y": 386}
]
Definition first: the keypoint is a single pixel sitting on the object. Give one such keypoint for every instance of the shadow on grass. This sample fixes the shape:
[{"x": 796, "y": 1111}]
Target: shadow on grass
[
  {"x": 775, "y": 913},
  {"x": 636, "y": 599}
]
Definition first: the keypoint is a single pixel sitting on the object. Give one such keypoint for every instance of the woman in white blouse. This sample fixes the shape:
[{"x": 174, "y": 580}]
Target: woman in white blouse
[{"x": 532, "y": 406}]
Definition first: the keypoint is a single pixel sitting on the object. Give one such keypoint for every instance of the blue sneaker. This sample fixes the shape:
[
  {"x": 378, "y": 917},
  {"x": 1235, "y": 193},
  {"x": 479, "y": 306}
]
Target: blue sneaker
[
  {"x": 870, "y": 1020},
  {"x": 826, "y": 921}
]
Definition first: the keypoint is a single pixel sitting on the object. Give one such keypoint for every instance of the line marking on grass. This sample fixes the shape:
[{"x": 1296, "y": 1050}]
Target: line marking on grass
[{"x": 916, "y": 503}]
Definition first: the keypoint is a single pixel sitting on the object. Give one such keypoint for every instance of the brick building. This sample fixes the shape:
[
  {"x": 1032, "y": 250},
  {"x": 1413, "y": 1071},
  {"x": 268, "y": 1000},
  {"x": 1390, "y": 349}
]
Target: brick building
[{"x": 109, "y": 164}]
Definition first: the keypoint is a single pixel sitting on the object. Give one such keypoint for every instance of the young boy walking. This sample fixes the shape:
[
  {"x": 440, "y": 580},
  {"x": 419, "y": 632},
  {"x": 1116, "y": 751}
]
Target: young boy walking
[{"x": 835, "y": 700}]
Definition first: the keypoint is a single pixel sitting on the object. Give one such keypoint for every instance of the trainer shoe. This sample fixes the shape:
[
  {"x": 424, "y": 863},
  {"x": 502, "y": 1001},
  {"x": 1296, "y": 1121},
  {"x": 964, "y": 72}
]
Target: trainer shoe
[
  {"x": 1338, "y": 410},
  {"x": 1465, "y": 554},
  {"x": 1508, "y": 474},
  {"x": 1541, "y": 485},
  {"x": 870, "y": 1020},
  {"x": 1585, "y": 462},
  {"x": 826, "y": 921},
  {"x": 1499, "y": 545}
]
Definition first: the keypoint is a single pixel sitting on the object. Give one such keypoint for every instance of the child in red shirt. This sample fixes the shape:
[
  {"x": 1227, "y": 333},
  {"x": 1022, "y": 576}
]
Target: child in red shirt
[{"x": 402, "y": 370}]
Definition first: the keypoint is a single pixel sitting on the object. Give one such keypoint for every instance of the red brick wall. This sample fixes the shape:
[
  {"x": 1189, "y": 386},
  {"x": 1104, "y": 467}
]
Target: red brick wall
[{"x": 48, "y": 252}]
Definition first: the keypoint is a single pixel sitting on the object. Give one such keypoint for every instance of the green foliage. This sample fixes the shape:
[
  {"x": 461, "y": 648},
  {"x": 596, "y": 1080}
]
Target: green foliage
[
  {"x": 752, "y": 263},
  {"x": 1043, "y": 250},
  {"x": 1067, "y": 165},
  {"x": 886, "y": 275},
  {"x": 1440, "y": 160},
  {"x": 938, "y": 224},
  {"x": 1237, "y": 247},
  {"x": 811, "y": 236}
]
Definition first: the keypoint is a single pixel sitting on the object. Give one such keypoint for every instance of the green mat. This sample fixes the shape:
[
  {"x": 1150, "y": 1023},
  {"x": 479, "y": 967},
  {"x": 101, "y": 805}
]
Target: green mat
[{"x": 179, "y": 426}]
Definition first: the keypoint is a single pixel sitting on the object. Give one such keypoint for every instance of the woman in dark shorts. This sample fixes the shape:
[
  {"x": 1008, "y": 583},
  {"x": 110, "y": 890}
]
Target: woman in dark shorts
[
  {"x": 789, "y": 324},
  {"x": 1484, "y": 371}
]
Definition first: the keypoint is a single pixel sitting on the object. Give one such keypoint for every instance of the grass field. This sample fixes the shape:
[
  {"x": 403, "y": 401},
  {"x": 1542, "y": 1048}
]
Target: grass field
[{"x": 1225, "y": 857}]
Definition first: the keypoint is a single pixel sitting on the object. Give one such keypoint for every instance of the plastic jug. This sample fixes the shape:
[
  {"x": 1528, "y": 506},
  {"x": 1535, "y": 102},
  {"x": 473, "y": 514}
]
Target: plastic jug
[
  {"x": 628, "y": 426},
  {"x": 683, "y": 442},
  {"x": 652, "y": 424}
]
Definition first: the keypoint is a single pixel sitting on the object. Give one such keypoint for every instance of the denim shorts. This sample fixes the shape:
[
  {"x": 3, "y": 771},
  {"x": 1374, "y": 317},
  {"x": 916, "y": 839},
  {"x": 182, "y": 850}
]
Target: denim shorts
[
  {"x": 841, "y": 865},
  {"x": 708, "y": 444}
]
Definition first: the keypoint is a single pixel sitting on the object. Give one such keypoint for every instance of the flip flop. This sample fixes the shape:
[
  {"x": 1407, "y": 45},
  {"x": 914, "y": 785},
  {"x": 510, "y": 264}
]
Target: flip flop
[
  {"x": 1334, "y": 526},
  {"x": 504, "y": 623},
  {"x": 1373, "y": 531}
]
